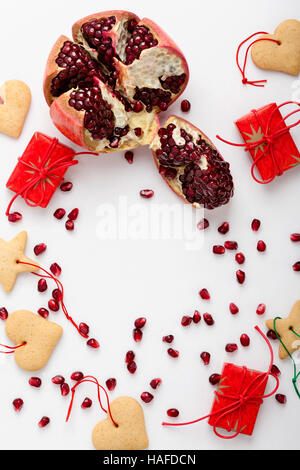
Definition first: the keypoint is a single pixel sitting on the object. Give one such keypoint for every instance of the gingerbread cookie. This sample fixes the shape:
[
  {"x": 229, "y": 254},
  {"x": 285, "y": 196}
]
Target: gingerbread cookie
[
  {"x": 130, "y": 433},
  {"x": 40, "y": 336},
  {"x": 15, "y": 99},
  {"x": 288, "y": 329},
  {"x": 284, "y": 57},
  {"x": 10, "y": 253}
]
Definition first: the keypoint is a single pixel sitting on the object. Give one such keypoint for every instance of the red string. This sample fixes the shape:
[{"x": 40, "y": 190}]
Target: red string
[
  {"x": 13, "y": 348},
  {"x": 91, "y": 379},
  {"x": 240, "y": 399},
  {"x": 61, "y": 291},
  {"x": 268, "y": 140},
  {"x": 245, "y": 81}
]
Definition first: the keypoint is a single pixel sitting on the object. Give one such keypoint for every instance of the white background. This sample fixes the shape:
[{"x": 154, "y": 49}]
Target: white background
[{"x": 110, "y": 283}]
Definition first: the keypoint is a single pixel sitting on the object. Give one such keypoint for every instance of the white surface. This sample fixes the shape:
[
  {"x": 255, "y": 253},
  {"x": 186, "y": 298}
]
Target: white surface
[{"x": 110, "y": 283}]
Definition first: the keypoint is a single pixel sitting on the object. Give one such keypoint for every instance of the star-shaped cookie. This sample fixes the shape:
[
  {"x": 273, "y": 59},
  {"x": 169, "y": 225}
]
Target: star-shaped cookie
[
  {"x": 285, "y": 327},
  {"x": 10, "y": 253}
]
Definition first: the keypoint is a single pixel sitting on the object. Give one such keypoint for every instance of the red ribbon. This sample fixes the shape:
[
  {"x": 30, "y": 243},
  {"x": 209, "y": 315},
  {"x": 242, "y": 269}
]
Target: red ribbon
[
  {"x": 268, "y": 140},
  {"x": 12, "y": 348},
  {"x": 240, "y": 399}
]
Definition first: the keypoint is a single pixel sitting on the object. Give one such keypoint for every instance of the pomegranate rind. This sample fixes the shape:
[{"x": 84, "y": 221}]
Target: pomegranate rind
[{"x": 68, "y": 120}]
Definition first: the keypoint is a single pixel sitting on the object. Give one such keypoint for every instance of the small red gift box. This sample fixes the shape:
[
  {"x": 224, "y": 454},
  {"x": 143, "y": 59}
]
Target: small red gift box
[
  {"x": 41, "y": 169},
  {"x": 238, "y": 384},
  {"x": 269, "y": 141}
]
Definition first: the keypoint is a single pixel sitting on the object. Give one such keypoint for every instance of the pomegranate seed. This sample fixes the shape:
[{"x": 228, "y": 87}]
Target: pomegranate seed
[
  {"x": 214, "y": 379},
  {"x": 58, "y": 380},
  {"x": 240, "y": 258},
  {"x": 14, "y": 217},
  {"x": 138, "y": 131},
  {"x": 55, "y": 269},
  {"x": 261, "y": 309},
  {"x": 137, "y": 335},
  {"x": 73, "y": 214},
  {"x": 241, "y": 276},
  {"x": 205, "y": 356},
  {"x": 44, "y": 421},
  {"x": 69, "y": 225},
  {"x": 93, "y": 343},
  {"x": 18, "y": 404},
  {"x": 67, "y": 186},
  {"x": 43, "y": 312},
  {"x": 296, "y": 266},
  {"x": 111, "y": 384},
  {"x": 255, "y": 225},
  {"x": 168, "y": 339},
  {"x": 3, "y": 313},
  {"x": 64, "y": 389},
  {"x": 56, "y": 294},
  {"x": 204, "y": 294},
  {"x": 155, "y": 383},
  {"x": 186, "y": 321},
  {"x": 131, "y": 366},
  {"x": 84, "y": 328},
  {"x": 224, "y": 228},
  {"x": 280, "y": 398},
  {"x": 295, "y": 237},
  {"x": 208, "y": 319},
  {"x": 87, "y": 403},
  {"x": 233, "y": 308},
  {"x": 35, "y": 382},
  {"x": 140, "y": 322},
  {"x": 231, "y": 347},
  {"x": 147, "y": 193},
  {"x": 245, "y": 340},
  {"x": 275, "y": 370},
  {"x": 147, "y": 397},
  {"x": 173, "y": 413},
  {"x": 130, "y": 355},
  {"x": 53, "y": 305},
  {"x": 185, "y": 106},
  {"x": 261, "y": 246},
  {"x": 203, "y": 224},
  {"x": 77, "y": 376},
  {"x": 271, "y": 334},
  {"x": 59, "y": 213},
  {"x": 218, "y": 249},
  {"x": 38, "y": 249},
  {"x": 42, "y": 285},
  {"x": 196, "y": 317},
  {"x": 129, "y": 156},
  {"x": 229, "y": 245},
  {"x": 173, "y": 353}
]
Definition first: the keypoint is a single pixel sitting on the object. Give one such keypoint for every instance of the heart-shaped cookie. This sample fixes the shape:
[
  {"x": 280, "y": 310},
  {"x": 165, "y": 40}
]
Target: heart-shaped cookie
[
  {"x": 15, "y": 98},
  {"x": 40, "y": 336},
  {"x": 284, "y": 57},
  {"x": 130, "y": 433}
]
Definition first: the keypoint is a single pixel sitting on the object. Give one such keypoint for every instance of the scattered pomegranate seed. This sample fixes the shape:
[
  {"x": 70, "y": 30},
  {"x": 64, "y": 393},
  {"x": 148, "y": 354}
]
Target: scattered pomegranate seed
[
  {"x": 56, "y": 294},
  {"x": 168, "y": 339},
  {"x": 3, "y": 313},
  {"x": 245, "y": 340},
  {"x": 296, "y": 266},
  {"x": 130, "y": 356},
  {"x": 275, "y": 370},
  {"x": 147, "y": 397},
  {"x": 203, "y": 224},
  {"x": 218, "y": 249},
  {"x": 214, "y": 379},
  {"x": 147, "y": 193},
  {"x": 53, "y": 305},
  {"x": 295, "y": 237},
  {"x": 271, "y": 334},
  {"x": 261, "y": 309},
  {"x": 42, "y": 285},
  {"x": 77, "y": 376},
  {"x": 87, "y": 403},
  {"x": 240, "y": 258},
  {"x": 173, "y": 353},
  {"x": 229, "y": 245},
  {"x": 35, "y": 382},
  {"x": 261, "y": 246},
  {"x": 186, "y": 321},
  {"x": 84, "y": 328},
  {"x": 14, "y": 217},
  {"x": 155, "y": 383},
  {"x": 111, "y": 384},
  {"x": 255, "y": 225},
  {"x": 280, "y": 398},
  {"x": 241, "y": 276},
  {"x": 231, "y": 347},
  {"x": 196, "y": 317},
  {"x": 69, "y": 225},
  {"x": 59, "y": 213},
  {"x": 43, "y": 312},
  {"x": 18, "y": 404},
  {"x": 204, "y": 294},
  {"x": 64, "y": 389},
  {"x": 233, "y": 308},
  {"x": 173, "y": 413},
  {"x": 140, "y": 322},
  {"x": 208, "y": 319},
  {"x": 55, "y": 269},
  {"x": 93, "y": 343},
  {"x": 38, "y": 249},
  {"x": 67, "y": 186},
  {"x": 73, "y": 214},
  {"x": 129, "y": 156},
  {"x": 185, "y": 106},
  {"x": 224, "y": 228},
  {"x": 131, "y": 366},
  {"x": 205, "y": 356},
  {"x": 137, "y": 335},
  {"x": 58, "y": 380},
  {"x": 44, "y": 421}
]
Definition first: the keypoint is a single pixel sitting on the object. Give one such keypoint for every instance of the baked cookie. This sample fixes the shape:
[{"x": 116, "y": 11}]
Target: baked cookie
[
  {"x": 286, "y": 329},
  {"x": 15, "y": 99}
]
